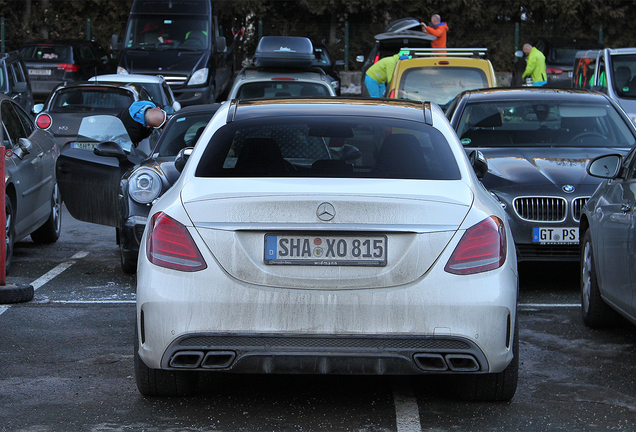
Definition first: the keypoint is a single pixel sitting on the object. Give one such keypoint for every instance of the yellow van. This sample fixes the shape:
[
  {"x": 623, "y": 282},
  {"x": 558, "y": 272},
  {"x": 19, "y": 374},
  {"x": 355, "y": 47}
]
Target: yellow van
[{"x": 429, "y": 75}]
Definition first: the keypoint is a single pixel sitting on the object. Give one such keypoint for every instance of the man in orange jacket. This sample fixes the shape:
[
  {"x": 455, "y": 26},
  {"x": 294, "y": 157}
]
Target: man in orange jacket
[{"x": 438, "y": 30}]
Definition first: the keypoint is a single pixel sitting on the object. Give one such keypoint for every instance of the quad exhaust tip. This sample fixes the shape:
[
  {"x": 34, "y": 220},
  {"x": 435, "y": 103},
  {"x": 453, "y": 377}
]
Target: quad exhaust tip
[
  {"x": 202, "y": 359},
  {"x": 454, "y": 362}
]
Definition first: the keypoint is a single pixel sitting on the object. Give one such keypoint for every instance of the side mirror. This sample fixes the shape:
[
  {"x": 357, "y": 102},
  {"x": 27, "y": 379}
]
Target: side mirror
[
  {"x": 221, "y": 44},
  {"x": 360, "y": 59},
  {"x": 182, "y": 158},
  {"x": 519, "y": 53},
  {"x": 20, "y": 87},
  {"x": 114, "y": 43},
  {"x": 37, "y": 108},
  {"x": 606, "y": 167},
  {"x": 350, "y": 153},
  {"x": 479, "y": 163},
  {"x": 111, "y": 149},
  {"x": 24, "y": 148}
]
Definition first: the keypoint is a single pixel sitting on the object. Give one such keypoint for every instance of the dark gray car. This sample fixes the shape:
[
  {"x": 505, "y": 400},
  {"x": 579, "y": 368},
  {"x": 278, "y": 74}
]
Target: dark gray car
[{"x": 32, "y": 201}]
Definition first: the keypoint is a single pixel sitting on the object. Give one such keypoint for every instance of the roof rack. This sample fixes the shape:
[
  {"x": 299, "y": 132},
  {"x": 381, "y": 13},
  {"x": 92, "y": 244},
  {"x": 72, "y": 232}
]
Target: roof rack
[{"x": 464, "y": 52}]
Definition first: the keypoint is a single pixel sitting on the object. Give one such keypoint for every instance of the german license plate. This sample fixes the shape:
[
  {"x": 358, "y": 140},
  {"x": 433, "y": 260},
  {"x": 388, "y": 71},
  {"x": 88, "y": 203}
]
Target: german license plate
[
  {"x": 325, "y": 250},
  {"x": 560, "y": 235},
  {"x": 39, "y": 71},
  {"x": 83, "y": 145}
]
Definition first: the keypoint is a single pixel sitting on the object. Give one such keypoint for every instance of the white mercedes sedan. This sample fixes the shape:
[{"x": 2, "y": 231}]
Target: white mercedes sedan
[{"x": 328, "y": 236}]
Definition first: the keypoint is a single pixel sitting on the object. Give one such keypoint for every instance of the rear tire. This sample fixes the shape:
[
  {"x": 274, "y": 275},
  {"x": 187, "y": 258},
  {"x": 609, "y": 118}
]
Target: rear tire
[
  {"x": 595, "y": 312},
  {"x": 493, "y": 387},
  {"x": 128, "y": 265},
  {"x": 49, "y": 232},
  {"x": 157, "y": 382}
]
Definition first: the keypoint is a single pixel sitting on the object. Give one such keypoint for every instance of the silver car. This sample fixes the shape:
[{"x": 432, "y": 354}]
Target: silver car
[
  {"x": 327, "y": 236},
  {"x": 608, "y": 243},
  {"x": 32, "y": 201}
]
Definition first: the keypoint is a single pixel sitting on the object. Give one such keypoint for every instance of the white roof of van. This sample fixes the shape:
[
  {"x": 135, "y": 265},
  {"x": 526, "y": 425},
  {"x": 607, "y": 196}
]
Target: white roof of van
[{"x": 136, "y": 78}]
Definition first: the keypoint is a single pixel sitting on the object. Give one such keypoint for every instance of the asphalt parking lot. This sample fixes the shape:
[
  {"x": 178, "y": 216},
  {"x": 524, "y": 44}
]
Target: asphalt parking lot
[{"x": 66, "y": 364}]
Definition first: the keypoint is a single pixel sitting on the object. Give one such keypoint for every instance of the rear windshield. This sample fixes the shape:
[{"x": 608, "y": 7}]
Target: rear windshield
[
  {"x": 335, "y": 147},
  {"x": 624, "y": 72},
  {"x": 439, "y": 84},
  {"x": 52, "y": 53},
  {"x": 281, "y": 89},
  {"x": 543, "y": 123},
  {"x": 102, "y": 100}
]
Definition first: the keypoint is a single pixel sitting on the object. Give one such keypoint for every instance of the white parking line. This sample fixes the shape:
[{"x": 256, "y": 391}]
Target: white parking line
[
  {"x": 407, "y": 413},
  {"x": 50, "y": 275}
]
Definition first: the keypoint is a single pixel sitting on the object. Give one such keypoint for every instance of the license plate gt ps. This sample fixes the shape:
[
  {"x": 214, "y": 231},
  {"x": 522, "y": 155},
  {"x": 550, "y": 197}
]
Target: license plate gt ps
[
  {"x": 327, "y": 250},
  {"x": 560, "y": 235}
]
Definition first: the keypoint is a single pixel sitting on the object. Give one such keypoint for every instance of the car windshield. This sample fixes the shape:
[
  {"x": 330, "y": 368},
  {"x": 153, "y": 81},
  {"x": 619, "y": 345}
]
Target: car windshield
[
  {"x": 439, "y": 84},
  {"x": 46, "y": 53},
  {"x": 182, "y": 132},
  {"x": 624, "y": 70},
  {"x": 106, "y": 100},
  {"x": 281, "y": 89},
  {"x": 336, "y": 147},
  {"x": 540, "y": 123},
  {"x": 178, "y": 31}
]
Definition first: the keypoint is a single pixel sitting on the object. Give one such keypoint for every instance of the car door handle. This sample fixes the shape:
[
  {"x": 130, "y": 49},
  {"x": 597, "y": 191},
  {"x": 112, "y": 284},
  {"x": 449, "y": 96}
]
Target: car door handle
[{"x": 625, "y": 208}]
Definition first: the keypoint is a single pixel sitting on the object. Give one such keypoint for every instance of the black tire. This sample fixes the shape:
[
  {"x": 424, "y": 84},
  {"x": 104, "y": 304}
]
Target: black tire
[
  {"x": 492, "y": 387},
  {"x": 595, "y": 312},
  {"x": 49, "y": 232},
  {"x": 157, "y": 382},
  {"x": 128, "y": 266},
  {"x": 16, "y": 293},
  {"x": 9, "y": 231}
]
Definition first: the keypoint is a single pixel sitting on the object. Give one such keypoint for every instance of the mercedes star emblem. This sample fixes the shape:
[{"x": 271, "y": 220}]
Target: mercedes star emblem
[{"x": 326, "y": 212}]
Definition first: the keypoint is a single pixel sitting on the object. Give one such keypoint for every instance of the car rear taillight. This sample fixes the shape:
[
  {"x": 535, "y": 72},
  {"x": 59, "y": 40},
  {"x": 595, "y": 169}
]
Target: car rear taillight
[
  {"x": 67, "y": 67},
  {"x": 553, "y": 71},
  {"x": 284, "y": 79},
  {"x": 43, "y": 121},
  {"x": 482, "y": 248},
  {"x": 170, "y": 245}
]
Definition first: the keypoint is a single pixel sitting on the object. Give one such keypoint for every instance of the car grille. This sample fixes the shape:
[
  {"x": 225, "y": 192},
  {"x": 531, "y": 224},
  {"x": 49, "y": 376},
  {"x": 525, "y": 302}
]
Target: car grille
[
  {"x": 175, "y": 81},
  {"x": 577, "y": 207},
  {"x": 541, "y": 209},
  {"x": 527, "y": 252}
]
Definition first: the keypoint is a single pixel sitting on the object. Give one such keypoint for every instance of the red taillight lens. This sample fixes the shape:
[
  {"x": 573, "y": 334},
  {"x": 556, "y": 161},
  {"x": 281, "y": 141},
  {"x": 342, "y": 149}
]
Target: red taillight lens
[
  {"x": 170, "y": 245},
  {"x": 67, "y": 67},
  {"x": 482, "y": 248},
  {"x": 553, "y": 71},
  {"x": 43, "y": 121}
]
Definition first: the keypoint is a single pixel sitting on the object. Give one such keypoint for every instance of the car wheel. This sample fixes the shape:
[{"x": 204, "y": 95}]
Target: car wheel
[
  {"x": 596, "y": 313},
  {"x": 128, "y": 266},
  {"x": 492, "y": 387},
  {"x": 49, "y": 232},
  {"x": 157, "y": 382},
  {"x": 9, "y": 231}
]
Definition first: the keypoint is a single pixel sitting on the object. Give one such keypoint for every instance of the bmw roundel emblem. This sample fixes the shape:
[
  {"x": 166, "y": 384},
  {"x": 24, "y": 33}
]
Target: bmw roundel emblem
[{"x": 568, "y": 188}]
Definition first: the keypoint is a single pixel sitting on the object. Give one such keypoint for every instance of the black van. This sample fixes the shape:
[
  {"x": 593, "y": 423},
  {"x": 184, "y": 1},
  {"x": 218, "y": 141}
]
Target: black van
[{"x": 181, "y": 40}]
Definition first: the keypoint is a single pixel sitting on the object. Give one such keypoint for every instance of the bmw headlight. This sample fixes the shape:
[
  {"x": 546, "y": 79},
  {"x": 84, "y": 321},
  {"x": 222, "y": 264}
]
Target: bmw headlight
[
  {"x": 144, "y": 185},
  {"x": 199, "y": 77}
]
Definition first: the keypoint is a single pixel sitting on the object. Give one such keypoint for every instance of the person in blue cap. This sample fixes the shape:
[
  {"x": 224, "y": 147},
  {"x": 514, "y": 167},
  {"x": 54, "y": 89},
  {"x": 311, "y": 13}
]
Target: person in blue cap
[{"x": 140, "y": 118}]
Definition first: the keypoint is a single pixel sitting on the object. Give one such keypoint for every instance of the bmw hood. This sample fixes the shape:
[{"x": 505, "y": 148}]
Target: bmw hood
[
  {"x": 165, "y": 62},
  {"x": 540, "y": 166},
  {"x": 237, "y": 215}
]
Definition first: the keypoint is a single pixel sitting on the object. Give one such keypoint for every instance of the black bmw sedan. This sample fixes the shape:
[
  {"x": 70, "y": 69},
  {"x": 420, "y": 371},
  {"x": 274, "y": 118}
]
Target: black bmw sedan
[{"x": 538, "y": 142}]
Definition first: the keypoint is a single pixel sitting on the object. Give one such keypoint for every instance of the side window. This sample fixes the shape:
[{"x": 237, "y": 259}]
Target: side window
[
  {"x": 27, "y": 122},
  {"x": 12, "y": 124},
  {"x": 602, "y": 76},
  {"x": 19, "y": 72},
  {"x": 86, "y": 53},
  {"x": 12, "y": 77}
]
